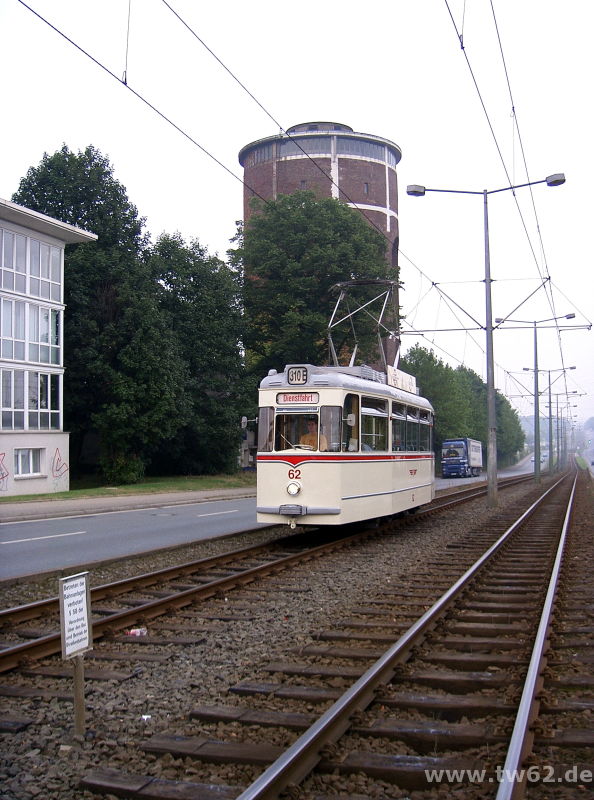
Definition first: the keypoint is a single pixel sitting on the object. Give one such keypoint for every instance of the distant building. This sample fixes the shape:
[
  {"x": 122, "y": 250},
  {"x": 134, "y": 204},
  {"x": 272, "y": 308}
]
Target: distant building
[
  {"x": 331, "y": 160},
  {"x": 34, "y": 455}
]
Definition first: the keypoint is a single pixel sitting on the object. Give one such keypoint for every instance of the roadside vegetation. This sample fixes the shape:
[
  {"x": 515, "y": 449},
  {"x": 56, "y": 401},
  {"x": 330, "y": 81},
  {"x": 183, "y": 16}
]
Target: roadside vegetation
[
  {"x": 91, "y": 487},
  {"x": 165, "y": 344}
]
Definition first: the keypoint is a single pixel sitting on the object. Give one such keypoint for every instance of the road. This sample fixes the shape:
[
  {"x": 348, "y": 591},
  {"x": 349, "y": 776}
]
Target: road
[{"x": 38, "y": 546}]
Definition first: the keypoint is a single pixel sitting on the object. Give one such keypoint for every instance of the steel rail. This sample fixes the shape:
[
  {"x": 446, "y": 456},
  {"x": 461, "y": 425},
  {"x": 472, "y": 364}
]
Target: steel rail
[
  {"x": 12, "y": 657},
  {"x": 35, "y": 609},
  {"x": 306, "y": 752},
  {"x": 521, "y": 740},
  {"x": 50, "y": 644},
  {"x": 107, "y": 590}
]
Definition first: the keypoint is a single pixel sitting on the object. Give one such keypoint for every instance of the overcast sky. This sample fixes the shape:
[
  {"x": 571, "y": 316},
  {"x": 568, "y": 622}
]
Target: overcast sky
[{"x": 464, "y": 117}]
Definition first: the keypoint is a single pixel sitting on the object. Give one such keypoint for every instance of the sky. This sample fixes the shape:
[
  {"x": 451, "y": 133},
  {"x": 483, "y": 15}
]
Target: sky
[{"x": 478, "y": 94}]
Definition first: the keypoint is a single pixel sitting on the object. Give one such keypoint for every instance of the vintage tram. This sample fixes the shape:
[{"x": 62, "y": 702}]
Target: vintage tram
[{"x": 338, "y": 445}]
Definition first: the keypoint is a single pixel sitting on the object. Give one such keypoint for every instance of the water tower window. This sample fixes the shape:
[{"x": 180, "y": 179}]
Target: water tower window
[{"x": 365, "y": 188}]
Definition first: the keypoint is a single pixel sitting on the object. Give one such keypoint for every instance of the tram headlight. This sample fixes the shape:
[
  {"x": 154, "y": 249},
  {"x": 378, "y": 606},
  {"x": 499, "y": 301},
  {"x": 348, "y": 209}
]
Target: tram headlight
[{"x": 293, "y": 488}]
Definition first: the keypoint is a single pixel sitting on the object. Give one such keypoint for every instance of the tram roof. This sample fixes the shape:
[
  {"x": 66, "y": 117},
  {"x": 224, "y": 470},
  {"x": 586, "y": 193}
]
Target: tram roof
[{"x": 359, "y": 379}]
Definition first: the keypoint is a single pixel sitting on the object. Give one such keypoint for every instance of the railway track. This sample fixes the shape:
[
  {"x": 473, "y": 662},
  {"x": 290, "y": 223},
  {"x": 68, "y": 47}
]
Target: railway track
[
  {"x": 453, "y": 699},
  {"x": 137, "y": 600}
]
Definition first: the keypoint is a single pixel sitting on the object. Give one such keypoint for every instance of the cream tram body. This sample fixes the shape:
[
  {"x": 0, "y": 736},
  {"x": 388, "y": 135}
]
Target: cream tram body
[{"x": 372, "y": 455}]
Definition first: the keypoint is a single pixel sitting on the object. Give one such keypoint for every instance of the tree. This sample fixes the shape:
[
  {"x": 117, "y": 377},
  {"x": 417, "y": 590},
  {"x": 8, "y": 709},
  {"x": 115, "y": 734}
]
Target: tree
[
  {"x": 438, "y": 382},
  {"x": 292, "y": 253},
  {"x": 200, "y": 297},
  {"x": 123, "y": 377},
  {"x": 459, "y": 399}
]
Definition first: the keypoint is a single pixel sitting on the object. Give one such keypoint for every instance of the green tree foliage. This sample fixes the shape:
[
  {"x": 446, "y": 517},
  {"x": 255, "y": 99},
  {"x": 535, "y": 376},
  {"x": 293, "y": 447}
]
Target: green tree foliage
[
  {"x": 439, "y": 384},
  {"x": 459, "y": 398},
  {"x": 292, "y": 253},
  {"x": 124, "y": 378},
  {"x": 200, "y": 297}
]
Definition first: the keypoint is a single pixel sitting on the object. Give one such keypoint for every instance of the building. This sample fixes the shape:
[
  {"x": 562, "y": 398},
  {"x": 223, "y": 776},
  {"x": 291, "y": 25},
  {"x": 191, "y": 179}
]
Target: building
[
  {"x": 331, "y": 160},
  {"x": 34, "y": 453}
]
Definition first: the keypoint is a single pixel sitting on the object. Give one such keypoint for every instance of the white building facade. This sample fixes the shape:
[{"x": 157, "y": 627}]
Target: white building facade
[{"x": 34, "y": 451}]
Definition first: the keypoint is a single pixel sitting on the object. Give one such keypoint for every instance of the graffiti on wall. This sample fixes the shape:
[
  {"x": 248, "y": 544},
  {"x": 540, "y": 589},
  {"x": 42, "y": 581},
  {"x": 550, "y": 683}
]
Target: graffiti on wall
[{"x": 59, "y": 467}]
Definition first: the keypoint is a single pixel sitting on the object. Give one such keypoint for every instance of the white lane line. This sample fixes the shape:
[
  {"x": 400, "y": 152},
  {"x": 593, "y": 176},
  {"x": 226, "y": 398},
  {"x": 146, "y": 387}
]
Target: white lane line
[
  {"x": 39, "y": 538},
  {"x": 218, "y": 513}
]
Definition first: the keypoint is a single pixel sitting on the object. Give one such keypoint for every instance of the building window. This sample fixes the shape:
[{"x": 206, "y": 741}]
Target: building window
[
  {"x": 12, "y": 328},
  {"x": 13, "y": 259},
  {"x": 45, "y": 270},
  {"x": 27, "y": 461},
  {"x": 304, "y": 184},
  {"x": 12, "y": 387},
  {"x": 44, "y": 266},
  {"x": 44, "y": 335},
  {"x": 360, "y": 147},
  {"x": 365, "y": 188},
  {"x": 43, "y": 401},
  {"x": 302, "y": 146}
]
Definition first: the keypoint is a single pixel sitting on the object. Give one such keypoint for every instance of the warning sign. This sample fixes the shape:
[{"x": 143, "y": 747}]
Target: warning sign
[{"x": 75, "y": 615}]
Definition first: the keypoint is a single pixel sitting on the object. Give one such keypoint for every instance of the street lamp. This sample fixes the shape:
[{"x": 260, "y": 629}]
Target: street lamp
[
  {"x": 535, "y": 323},
  {"x": 419, "y": 191}
]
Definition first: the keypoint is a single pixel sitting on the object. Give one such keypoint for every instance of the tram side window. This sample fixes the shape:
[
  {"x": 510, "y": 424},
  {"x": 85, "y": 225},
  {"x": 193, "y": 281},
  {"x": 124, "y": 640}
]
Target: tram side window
[
  {"x": 265, "y": 429},
  {"x": 398, "y": 426},
  {"x": 330, "y": 426},
  {"x": 374, "y": 424},
  {"x": 425, "y": 431},
  {"x": 350, "y": 432},
  {"x": 412, "y": 428}
]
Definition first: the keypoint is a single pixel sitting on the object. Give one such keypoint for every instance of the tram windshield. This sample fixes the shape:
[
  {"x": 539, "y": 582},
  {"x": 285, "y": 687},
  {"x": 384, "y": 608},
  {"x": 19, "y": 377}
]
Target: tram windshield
[{"x": 318, "y": 431}]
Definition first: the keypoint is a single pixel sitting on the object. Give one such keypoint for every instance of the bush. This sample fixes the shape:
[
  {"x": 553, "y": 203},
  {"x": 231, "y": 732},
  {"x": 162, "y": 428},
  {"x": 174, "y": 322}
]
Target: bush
[{"x": 122, "y": 469}]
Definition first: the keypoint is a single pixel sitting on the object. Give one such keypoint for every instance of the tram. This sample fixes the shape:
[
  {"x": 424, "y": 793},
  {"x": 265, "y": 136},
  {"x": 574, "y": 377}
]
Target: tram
[{"x": 342, "y": 444}]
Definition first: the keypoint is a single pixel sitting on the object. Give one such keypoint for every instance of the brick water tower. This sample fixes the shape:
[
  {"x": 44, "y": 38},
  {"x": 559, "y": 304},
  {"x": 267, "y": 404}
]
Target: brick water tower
[{"x": 330, "y": 160}]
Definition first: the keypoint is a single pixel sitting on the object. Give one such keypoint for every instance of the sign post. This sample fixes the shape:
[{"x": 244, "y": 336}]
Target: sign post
[{"x": 77, "y": 638}]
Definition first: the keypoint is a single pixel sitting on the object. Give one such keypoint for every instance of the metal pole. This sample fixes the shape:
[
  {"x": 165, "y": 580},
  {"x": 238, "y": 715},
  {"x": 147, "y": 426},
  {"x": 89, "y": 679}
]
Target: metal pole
[
  {"x": 491, "y": 412},
  {"x": 79, "y": 697},
  {"x": 558, "y": 435},
  {"x": 550, "y": 429},
  {"x": 536, "y": 412}
]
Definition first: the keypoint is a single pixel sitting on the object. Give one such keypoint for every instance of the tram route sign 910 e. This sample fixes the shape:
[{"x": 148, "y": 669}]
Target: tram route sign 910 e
[{"x": 75, "y": 618}]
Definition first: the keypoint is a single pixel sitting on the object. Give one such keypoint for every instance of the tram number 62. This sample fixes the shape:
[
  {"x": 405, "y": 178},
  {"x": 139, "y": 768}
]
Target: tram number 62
[{"x": 294, "y": 473}]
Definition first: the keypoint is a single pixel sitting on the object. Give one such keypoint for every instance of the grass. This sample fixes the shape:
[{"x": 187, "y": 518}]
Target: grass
[{"x": 90, "y": 487}]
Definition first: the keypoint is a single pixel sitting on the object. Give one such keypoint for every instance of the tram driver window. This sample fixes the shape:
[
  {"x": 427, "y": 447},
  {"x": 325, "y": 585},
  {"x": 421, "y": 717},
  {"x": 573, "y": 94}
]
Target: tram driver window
[
  {"x": 330, "y": 427},
  {"x": 299, "y": 431},
  {"x": 265, "y": 429},
  {"x": 350, "y": 423}
]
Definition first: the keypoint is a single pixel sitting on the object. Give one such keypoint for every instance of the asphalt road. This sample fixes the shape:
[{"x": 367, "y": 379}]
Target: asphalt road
[
  {"x": 43, "y": 536},
  {"x": 33, "y": 547}
]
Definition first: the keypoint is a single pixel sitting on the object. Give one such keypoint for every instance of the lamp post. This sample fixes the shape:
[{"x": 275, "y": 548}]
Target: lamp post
[
  {"x": 419, "y": 191},
  {"x": 535, "y": 324}
]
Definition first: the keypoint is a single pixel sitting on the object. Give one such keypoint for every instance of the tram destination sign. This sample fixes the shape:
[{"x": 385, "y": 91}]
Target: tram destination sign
[
  {"x": 284, "y": 398},
  {"x": 297, "y": 375}
]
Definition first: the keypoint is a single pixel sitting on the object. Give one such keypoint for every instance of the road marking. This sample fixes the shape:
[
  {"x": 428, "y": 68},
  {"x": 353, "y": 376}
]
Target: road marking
[
  {"x": 39, "y": 538},
  {"x": 218, "y": 513}
]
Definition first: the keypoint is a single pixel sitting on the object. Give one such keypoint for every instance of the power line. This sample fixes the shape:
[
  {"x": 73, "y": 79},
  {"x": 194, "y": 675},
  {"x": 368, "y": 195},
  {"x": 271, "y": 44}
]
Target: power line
[{"x": 143, "y": 99}]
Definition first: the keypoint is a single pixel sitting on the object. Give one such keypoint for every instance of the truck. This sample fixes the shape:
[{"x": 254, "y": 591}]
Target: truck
[{"x": 461, "y": 458}]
